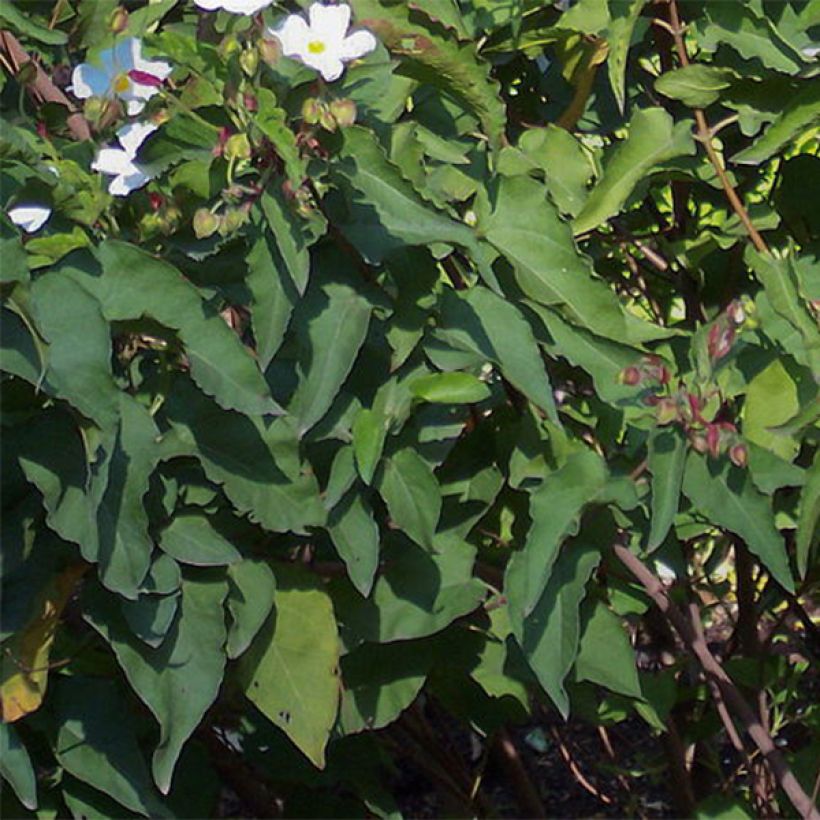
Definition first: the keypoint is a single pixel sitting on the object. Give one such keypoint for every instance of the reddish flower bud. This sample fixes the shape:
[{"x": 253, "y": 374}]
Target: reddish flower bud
[
  {"x": 739, "y": 455},
  {"x": 144, "y": 78},
  {"x": 699, "y": 442},
  {"x": 251, "y": 103},
  {"x": 630, "y": 375},
  {"x": 720, "y": 340},
  {"x": 156, "y": 200},
  {"x": 694, "y": 406},
  {"x": 224, "y": 136},
  {"x": 713, "y": 440}
]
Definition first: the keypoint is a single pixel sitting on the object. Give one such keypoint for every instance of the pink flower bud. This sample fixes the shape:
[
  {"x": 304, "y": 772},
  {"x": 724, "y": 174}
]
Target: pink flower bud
[
  {"x": 630, "y": 375},
  {"x": 713, "y": 440},
  {"x": 739, "y": 455},
  {"x": 144, "y": 78}
]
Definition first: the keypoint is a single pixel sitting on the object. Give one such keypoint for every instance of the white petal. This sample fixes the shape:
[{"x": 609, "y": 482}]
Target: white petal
[
  {"x": 30, "y": 217},
  {"x": 234, "y": 6},
  {"x": 89, "y": 81},
  {"x": 208, "y": 5},
  {"x": 329, "y": 22},
  {"x": 123, "y": 184},
  {"x": 330, "y": 65},
  {"x": 134, "y": 107},
  {"x": 133, "y": 135},
  {"x": 293, "y": 35},
  {"x": 156, "y": 68},
  {"x": 357, "y": 45},
  {"x": 112, "y": 161}
]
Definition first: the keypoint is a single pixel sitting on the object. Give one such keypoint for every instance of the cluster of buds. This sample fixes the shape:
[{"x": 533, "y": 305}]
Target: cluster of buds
[
  {"x": 164, "y": 216},
  {"x": 724, "y": 329},
  {"x": 206, "y": 223},
  {"x": 330, "y": 116},
  {"x": 717, "y": 438},
  {"x": 650, "y": 372}
]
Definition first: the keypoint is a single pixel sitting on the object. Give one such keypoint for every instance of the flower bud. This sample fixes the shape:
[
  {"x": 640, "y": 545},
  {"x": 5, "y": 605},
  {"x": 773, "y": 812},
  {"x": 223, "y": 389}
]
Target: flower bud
[
  {"x": 713, "y": 440},
  {"x": 666, "y": 411},
  {"x": 249, "y": 61},
  {"x": 118, "y": 21},
  {"x": 344, "y": 112},
  {"x": 311, "y": 110},
  {"x": 720, "y": 340},
  {"x": 232, "y": 221},
  {"x": 736, "y": 312},
  {"x": 630, "y": 375},
  {"x": 238, "y": 147},
  {"x": 739, "y": 455},
  {"x": 270, "y": 51},
  {"x": 205, "y": 223},
  {"x": 699, "y": 442},
  {"x": 27, "y": 73},
  {"x": 229, "y": 46},
  {"x": 250, "y": 102},
  {"x": 326, "y": 119}
]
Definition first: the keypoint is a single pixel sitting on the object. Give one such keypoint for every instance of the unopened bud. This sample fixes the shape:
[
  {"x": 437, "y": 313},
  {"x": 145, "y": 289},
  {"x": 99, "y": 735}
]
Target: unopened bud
[
  {"x": 249, "y": 61},
  {"x": 699, "y": 442},
  {"x": 720, "y": 340},
  {"x": 229, "y": 46},
  {"x": 736, "y": 312},
  {"x": 238, "y": 147},
  {"x": 311, "y": 110},
  {"x": 205, "y": 223},
  {"x": 250, "y": 102},
  {"x": 270, "y": 51},
  {"x": 713, "y": 440},
  {"x": 118, "y": 21},
  {"x": 232, "y": 221},
  {"x": 630, "y": 375},
  {"x": 344, "y": 112},
  {"x": 666, "y": 411},
  {"x": 326, "y": 119},
  {"x": 739, "y": 455}
]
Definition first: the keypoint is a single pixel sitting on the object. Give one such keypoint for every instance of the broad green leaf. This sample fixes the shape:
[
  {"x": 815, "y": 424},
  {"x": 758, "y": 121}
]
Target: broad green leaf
[
  {"x": 291, "y": 672},
  {"x": 548, "y": 266},
  {"x": 618, "y": 34},
  {"x": 450, "y": 388},
  {"x": 150, "y": 616},
  {"x": 549, "y": 635},
  {"x": 770, "y": 472},
  {"x": 290, "y": 235},
  {"x": 273, "y": 298},
  {"x": 16, "y": 768},
  {"x": 605, "y": 654},
  {"x": 380, "y": 682},
  {"x": 251, "y": 591},
  {"x": 331, "y": 325},
  {"x": 238, "y": 453},
  {"x": 15, "y": 264},
  {"x": 666, "y": 459},
  {"x": 192, "y": 539},
  {"x": 808, "y": 518},
  {"x": 19, "y": 354},
  {"x": 555, "y": 510},
  {"x": 23, "y": 23},
  {"x": 124, "y": 545},
  {"x": 271, "y": 120},
  {"x": 179, "y": 680},
  {"x": 653, "y": 138},
  {"x": 355, "y": 534},
  {"x": 727, "y": 497},
  {"x": 383, "y": 212},
  {"x": 771, "y": 400},
  {"x": 79, "y": 364},
  {"x": 438, "y": 61},
  {"x": 800, "y": 113},
  {"x": 696, "y": 85},
  {"x": 412, "y": 495},
  {"x": 134, "y": 284},
  {"x": 97, "y": 744},
  {"x": 369, "y": 433},
  {"x": 483, "y": 322}
]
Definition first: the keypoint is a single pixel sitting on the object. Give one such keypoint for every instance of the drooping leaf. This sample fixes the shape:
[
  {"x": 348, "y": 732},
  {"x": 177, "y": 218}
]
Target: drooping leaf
[
  {"x": 355, "y": 534},
  {"x": 252, "y": 586},
  {"x": 150, "y": 616},
  {"x": 808, "y": 519},
  {"x": 696, "y": 85},
  {"x": 666, "y": 459},
  {"x": 291, "y": 671},
  {"x": 369, "y": 433},
  {"x": 728, "y": 497},
  {"x": 192, "y": 539},
  {"x": 618, "y": 34},
  {"x": 16, "y": 768},
  {"x": 30, "y": 28}
]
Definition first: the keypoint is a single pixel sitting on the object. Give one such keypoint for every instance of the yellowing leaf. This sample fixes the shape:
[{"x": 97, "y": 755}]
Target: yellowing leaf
[{"x": 25, "y": 662}]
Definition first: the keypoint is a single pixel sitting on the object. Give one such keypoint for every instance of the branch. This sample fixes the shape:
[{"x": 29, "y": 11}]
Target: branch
[
  {"x": 41, "y": 87},
  {"x": 713, "y": 670}
]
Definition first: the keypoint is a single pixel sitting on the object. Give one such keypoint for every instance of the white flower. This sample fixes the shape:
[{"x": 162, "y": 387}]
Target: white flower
[
  {"x": 123, "y": 72},
  {"x": 120, "y": 162},
  {"x": 30, "y": 217},
  {"x": 234, "y": 6},
  {"x": 324, "y": 44}
]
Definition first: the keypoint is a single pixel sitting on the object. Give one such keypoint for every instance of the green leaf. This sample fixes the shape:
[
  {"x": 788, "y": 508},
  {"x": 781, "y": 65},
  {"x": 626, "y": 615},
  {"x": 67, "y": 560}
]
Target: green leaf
[
  {"x": 438, "y": 61},
  {"x": 150, "y": 616},
  {"x": 771, "y": 400},
  {"x": 618, "y": 34},
  {"x": 291, "y": 671},
  {"x": 800, "y": 113},
  {"x": 355, "y": 534},
  {"x": 482, "y": 322},
  {"x": 179, "y": 680},
  {"x": 271, "y": 120},
  {"x": 555, "y": 510},
  {"x": 20, "y": 355},
  {"x": 291, "y": 236},
  {"x": 192, "y": 539},
  {"x": 549, "y": 635},
  {"x": 274, "y": 298},
  {"x": 97, "y": 744},
  {"x": 25, "y": 25},
  {"x": 450, "y": 388},
  {"x": 808, "y": 518},
  {"x": 727, "y": 497},
  {"x": 548, "y": 267},
  {"x": 605, "y": 654},
  {"x": 240, "y": 454},
  {"x": 666, "y": 459},
  {"x": 412, "y": 495},
  {"x": 653, "y": 138},
  {"x": 369, "y": 433},
  {"x": 380, "y": 682},
  {"x": 79, "y": 364},
  {"x": 252, "y": 587},
  {"x": 15, "y": 262},
  {"x": 696, "y": 85},
  {"x": 16, "y": 768},
  {"x": 134, "y": 284},
  {"x": 383, "y": 211},
  {"x": 331, "y": 325}
]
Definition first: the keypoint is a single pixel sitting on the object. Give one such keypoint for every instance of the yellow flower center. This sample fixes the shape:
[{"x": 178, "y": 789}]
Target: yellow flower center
[
  {"x": 121, "y": 83},
  {"x": 316, "y": 47}
]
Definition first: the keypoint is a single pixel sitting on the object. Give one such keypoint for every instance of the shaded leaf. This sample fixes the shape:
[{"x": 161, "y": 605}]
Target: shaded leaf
[
  {"x": 252, "y": 587},
  {"x": 355, "y": 534},
  {"x": 666, "y": 459},
  {"x": 16, "y": 768},
  {"x": 192, "y": 539},
  {"x": 450, "y": 388}
]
